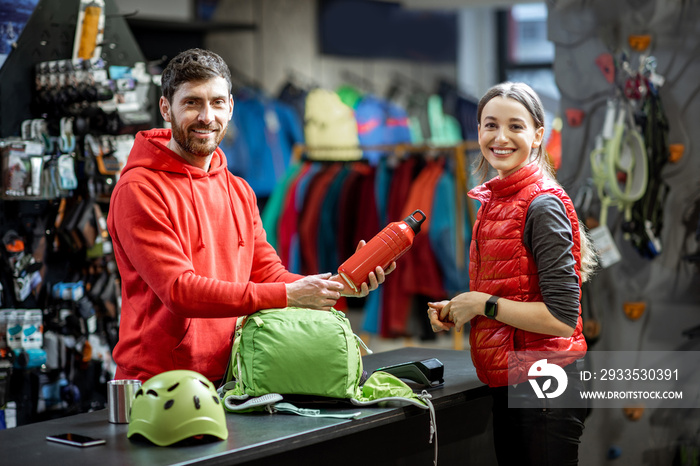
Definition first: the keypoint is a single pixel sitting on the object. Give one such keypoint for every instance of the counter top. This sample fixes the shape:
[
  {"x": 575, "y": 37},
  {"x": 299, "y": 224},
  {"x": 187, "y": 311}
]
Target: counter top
[{"x": 252, "y": 437}]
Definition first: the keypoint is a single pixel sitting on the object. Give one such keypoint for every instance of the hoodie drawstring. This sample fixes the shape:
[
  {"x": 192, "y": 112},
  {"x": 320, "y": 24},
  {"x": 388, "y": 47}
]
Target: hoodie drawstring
[
  {"x": 241, "y": 243},
  {"x": 202, "y": 245}
]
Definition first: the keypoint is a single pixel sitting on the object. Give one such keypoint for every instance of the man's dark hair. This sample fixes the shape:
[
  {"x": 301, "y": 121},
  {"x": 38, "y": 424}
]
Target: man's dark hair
[{"x": 193, "y": 65}]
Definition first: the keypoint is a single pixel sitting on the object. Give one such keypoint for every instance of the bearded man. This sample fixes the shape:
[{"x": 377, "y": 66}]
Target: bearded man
[{"x": 188, "y": 240}]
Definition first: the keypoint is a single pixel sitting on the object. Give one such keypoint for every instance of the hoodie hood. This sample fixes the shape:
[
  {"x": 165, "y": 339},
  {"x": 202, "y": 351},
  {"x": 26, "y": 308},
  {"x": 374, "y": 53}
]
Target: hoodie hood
[
  {"x": 151, "y": 152},
  {"x": 154, "y": 154}
]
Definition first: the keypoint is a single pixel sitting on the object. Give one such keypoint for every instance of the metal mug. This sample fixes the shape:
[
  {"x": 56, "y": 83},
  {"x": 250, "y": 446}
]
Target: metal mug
[{"x": 120, "y": 395}]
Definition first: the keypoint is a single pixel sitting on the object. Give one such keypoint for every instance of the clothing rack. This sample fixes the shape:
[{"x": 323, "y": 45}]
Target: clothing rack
[{"x": 458, "y": 152}]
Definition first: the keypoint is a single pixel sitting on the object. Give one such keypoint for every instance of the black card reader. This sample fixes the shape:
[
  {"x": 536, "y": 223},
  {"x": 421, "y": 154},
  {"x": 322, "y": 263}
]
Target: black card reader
[{"x": 428, "y": 372}]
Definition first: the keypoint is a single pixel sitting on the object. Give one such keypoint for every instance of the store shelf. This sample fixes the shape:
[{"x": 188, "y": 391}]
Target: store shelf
[
  {"x": 187, "y": 26},
  {"x": 162, "y": 40}
]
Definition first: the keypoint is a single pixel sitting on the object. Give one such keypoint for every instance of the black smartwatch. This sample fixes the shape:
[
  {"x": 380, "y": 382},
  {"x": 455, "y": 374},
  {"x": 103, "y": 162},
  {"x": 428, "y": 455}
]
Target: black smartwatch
[{"x": 491, "y": 308}]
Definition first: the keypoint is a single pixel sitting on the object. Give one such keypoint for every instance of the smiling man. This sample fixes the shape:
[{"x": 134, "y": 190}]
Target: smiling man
[
  {"x": 188, "y": 239},
  {"x": 199, "y": 115}
]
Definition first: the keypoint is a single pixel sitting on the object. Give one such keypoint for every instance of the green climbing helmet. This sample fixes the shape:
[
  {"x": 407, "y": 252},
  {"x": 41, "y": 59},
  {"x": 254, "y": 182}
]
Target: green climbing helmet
[{"x": 177, "y": 405}]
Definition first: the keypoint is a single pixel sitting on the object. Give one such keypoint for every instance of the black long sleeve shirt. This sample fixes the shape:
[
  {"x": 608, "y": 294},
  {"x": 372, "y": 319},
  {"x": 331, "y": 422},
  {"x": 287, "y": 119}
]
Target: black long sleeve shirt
[{"x": 549, "y": 237}]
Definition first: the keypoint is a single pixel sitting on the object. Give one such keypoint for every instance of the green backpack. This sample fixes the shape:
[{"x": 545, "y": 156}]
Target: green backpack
[{"x": 296, "y": 351}]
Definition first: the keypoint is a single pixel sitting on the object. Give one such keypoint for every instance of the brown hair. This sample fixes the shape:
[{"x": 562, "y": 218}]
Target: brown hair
[{"x": 193, "y": 65}]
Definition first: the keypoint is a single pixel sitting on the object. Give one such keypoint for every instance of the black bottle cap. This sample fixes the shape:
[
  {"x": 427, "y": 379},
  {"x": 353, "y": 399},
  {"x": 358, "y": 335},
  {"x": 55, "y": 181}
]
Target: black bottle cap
[{"x": 413, "y": 223}]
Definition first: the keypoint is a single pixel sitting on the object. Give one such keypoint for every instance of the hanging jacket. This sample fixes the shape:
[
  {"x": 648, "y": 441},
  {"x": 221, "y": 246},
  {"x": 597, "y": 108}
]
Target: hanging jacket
[
  {"x": 270, "y": 214},
  {"x": 423, "y": 275},
  {"x": 288, "y": 224},
  {"x": 371, "y": 116},
  {"x": 294, "y": 96},
  {"x": 310, "y": 217},
  {"x": 444, "y": 235},
  {"x": 192, "y": 255},
  {"x": 327, "y": 234},
  {"x": 260, "y": 140},
  {"x": 394, "y": 299},
  {"x": 380, "y": 122},
  {"x": 501, "y": 265}
]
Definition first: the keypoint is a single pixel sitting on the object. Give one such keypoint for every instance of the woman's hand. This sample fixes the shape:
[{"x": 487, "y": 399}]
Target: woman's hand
[
  {"x": 463, "y": 308},
  {"x": 530, "y": 316},
  {"x": 434, "y": 316}
]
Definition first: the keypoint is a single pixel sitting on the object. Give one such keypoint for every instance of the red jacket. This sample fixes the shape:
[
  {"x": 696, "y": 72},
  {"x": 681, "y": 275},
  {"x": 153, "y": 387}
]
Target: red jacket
[
  {"x": 192, "y": 255},
  {"x": 501, "y": 265}
]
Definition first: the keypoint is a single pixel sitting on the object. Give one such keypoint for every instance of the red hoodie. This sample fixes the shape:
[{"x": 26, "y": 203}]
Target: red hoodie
[{"x": 192, "y": 255}]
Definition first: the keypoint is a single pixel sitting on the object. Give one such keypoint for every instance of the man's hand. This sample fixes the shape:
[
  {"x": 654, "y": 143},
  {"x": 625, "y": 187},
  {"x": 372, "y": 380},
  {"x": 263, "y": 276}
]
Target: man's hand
[
  {"x": 314, "y": 292},
  {"x": 375, "y": 279}
]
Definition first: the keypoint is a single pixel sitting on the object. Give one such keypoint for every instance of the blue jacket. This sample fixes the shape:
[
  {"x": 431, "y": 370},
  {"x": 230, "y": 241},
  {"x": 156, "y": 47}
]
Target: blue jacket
[{"x": 259, "y": 141}]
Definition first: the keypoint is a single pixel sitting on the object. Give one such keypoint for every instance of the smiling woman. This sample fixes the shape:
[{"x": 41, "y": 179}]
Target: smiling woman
[
  {"x": 508, "y": 135},
  {"x": 528, "y": 258}
]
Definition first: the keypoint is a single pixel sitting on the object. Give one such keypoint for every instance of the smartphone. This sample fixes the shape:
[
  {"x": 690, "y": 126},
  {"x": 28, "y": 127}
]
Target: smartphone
[{"x": 76, "y": 440}]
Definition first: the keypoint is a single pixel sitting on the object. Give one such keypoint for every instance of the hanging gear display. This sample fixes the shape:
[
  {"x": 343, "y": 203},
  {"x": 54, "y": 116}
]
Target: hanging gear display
[
  {"x": 619, "y": 162},
  {"x": 24, "y": 269},
  {"x": 90, "y": 29},
  {"x": 643, "y": 229},
  {"x": 631, "y": 152}
]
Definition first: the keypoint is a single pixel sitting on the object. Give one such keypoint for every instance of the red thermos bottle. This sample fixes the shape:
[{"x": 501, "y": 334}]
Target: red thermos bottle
[{"x": 386, "y": 247}]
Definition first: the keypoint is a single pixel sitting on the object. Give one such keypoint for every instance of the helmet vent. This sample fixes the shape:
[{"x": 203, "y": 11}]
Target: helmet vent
[
  {"x": 216, "y": 399},
  {"x": 152, "y": 393},
  {"x": 197, "y": 404},
  {"x": 173, "y": 387},
  {"x": 169, "y": 404},
  {"x": 139, "y": 393}
]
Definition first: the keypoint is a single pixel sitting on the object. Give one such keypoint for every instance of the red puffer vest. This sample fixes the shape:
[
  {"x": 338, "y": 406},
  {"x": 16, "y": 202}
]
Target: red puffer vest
[{"x": 501, "y": 265}]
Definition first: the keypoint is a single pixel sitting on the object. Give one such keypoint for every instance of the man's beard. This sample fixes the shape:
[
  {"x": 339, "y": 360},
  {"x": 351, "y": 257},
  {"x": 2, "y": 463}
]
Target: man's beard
[{"x": 195, "y": 146}]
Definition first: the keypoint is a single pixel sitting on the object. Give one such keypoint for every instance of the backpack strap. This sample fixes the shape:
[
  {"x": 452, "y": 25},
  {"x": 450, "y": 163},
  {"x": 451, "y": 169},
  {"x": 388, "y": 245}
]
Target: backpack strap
[
  {"x": 385, "y": 389},
  {"x": 425, "y": 396},
  {"x": 232, "y": 364},
  {"x": 288, "y": 408},
  {"x": 258, "y": 403}
]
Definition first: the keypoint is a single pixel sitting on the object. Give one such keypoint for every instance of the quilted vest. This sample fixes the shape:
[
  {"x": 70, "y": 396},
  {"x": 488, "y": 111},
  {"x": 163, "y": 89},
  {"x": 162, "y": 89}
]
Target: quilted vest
[{"x": 501, "y": 265}]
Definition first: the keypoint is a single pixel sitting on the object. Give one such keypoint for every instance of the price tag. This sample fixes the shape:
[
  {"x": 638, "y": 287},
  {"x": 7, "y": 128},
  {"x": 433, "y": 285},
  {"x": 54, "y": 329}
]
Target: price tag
[{"x": 605, "y": 246}]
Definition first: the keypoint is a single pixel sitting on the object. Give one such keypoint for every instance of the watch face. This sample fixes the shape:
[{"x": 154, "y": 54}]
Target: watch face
[{"x": 491, "y": 307}]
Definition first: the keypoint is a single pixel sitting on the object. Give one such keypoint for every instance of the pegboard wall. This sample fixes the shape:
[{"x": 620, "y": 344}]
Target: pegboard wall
[
  {"x": 49, "y": 35},
  {"x": 666, "y": 287},
  {"x": 584, "y": 32}
]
